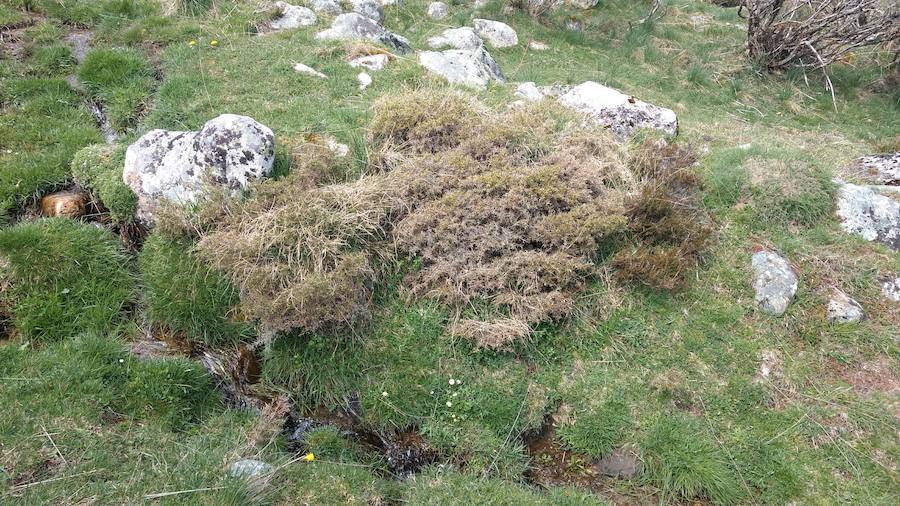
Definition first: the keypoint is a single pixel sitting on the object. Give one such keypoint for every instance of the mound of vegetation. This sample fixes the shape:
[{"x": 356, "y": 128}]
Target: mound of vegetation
[{"x": 507, "y": 211}]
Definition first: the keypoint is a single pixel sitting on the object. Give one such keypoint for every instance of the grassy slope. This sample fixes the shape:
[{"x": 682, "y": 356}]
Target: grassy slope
[{"x": 683, "y": 367}]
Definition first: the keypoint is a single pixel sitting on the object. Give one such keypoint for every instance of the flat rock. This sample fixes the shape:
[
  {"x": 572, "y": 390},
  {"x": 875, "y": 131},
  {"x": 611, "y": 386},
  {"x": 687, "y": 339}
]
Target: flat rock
[
  {"x": 872, "y": 216},
  {"x": 495, "y": 33},
  {"x": 843, "y": 309},
  {"x": 880, "y": 169},
  {"x": 354, "y": 26},
  {"x": 249, "y": 468},
  {"x": 230, "y": 151},
  {"x": 456, "y": 38},
  {"x": 474, "y": 68},
  {"x": 306, "y": 69},
  {"x": 619, "y": 112},
  {"x": 292, "y": 16},
  {"x": 890, "y": 288},
  {"x": 529, "y": 91},
  {"x": 774, "y": 281},
  {"x": 620, "y": 463},
  {"x": 438, "y": 10},
  {"x": 372, "y": 62},
  {"x": 370, "y": 9},
  {"x": 331, "y": 7}
]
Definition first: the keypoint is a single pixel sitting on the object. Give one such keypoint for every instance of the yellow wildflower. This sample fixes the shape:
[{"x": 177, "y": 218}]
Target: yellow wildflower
[
  {"x": 309, "y": 457},
  {"x": 214, "y": 43}
]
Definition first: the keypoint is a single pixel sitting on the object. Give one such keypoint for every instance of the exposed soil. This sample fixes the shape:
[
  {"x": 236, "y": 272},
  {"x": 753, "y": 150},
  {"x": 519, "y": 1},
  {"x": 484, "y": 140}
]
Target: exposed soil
[{"x": 554, "y": 465}]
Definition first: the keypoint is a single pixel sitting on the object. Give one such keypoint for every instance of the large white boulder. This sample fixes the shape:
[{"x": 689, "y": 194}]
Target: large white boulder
[
  {"x": 619, "y": 112},
  {"x": 292, "y": 16},
  {"x": 230, "y": 151},
  {"x": 475, "y": 68},
  {"x": 774, "y": 281},
  {"x": 496, "y": 34},
  {"x": 354, "y": 26},
  {"x": 456, "y": 38},
  {"x": 870, "y": 215}
]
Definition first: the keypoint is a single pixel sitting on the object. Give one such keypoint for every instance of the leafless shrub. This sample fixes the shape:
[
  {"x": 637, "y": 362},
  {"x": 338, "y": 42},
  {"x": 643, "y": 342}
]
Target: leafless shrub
[{"x": 815, "y": 33}]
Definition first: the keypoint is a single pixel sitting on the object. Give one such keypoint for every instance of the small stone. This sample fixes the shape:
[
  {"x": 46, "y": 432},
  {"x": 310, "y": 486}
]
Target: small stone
[
  {"x": 890, "y": 287},
  {"x": 474, "y": 68},
  {"x": 457, "y": 38},
  {"x": 372, "y": 62},
  {"x": 305, "y": 69},
  {"x": 438, "y": 10},
  {"x": 623, "y": 114},
  {"x": 326, "y": 6},
  {"x": 529, "y": 92},
  {"x": 292, "y": 16},
  {"x": 620, "y": 463},
  {"x": 249, "y": 468},
  {"x": 867, "y": 214},
  {"x": 364, "y": 80},
  {"x": 496, "y": 34},
  {"x": 775, "y": 282},
  {"x": 65, "y": 204},
  {"x": 843, "y": 309},
  {"x": 370, "y": 9},
  {"x": 537, "y": 45}
]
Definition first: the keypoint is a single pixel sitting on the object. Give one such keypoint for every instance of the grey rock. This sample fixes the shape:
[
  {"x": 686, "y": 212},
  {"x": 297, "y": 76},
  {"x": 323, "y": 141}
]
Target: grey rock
[
  {"x": 890, "y": 287},
  {"x": 537, "y": 45},
  {"x": 474, "y": 68},
  {"x": 872, "y": 216},
  {"x": 555, "y": 90},
  {"x": 843, "y": 309},
  {"x": 354, "y": 26},
  {"x": 496, "y": 34},
  {"x": 292, "y": 16},
  {"x": 372, "y": 62},
  {"x": 306, "y": 69},
  {"x": 529, "y": 92},
  {"x": 230, "y": 151},
  {"x": 438, "y": 10},
  {"x": 619, "y": 112},
  {"x": 457, "y": 38},
  {"x": 880, "y": 169},
  {"x": 364, "y": 80},
  {"x": 583, "y": 4},
  {"x": 331, "y": 7},
  {"x": 249, "y": 468},
  {"x": 370, "y": 9},
  {"x": 620, "y": 463},
  {"x": 775, "y": 282}
]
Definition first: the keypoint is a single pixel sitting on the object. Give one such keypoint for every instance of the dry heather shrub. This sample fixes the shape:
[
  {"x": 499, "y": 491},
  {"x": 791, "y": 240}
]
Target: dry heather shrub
[{"x": 669, "y": 227}]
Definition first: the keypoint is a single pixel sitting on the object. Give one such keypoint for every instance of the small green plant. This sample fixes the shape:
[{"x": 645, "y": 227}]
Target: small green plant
[
  {"x": 598, "y": 431},
  {"x": 98, "y": 168},
  {"x": 122, "y": 79},
  {"x": 65, "y": 277}
]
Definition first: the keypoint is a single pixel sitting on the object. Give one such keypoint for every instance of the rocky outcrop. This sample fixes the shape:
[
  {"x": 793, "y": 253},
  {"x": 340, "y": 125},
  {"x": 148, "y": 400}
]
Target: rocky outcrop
[
  {"x": 474, "y": 68},
  {"x": 774, "y": 281},
  {"x": 230, "y": 151},
  {"x": 292, "y": 16},
  {"x": 331, "y": 7},
  {"x": 619, "y": 112},
  {"x": 495, "y": 33},
  {"x": 438, "y": 10},
  {"x": 843, "y": 309},
  {"x": 370, "y": 9},
  {"x": 880, "y": 169},
  {"x": 354, "y": 26},
  {"x": 870, "y": 215},
  {"x": 457, "y": 38}
]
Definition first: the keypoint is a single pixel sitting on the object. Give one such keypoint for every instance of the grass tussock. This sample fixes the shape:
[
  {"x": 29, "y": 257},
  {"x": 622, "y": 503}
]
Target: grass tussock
[{"x": 98, "y": 168}]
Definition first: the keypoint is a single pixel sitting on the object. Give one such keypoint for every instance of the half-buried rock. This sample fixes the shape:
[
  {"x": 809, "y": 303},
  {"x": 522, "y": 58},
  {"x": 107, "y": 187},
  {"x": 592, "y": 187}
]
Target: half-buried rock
[
  {"x": 230, "y": 151},
  {"x": 775, "y": 282},
  {"x": 354, "y": 26},
  {"x": 619, "y": 112},
  {"x": 475, "y": 68},
  {"x": 870, "y": 215}
]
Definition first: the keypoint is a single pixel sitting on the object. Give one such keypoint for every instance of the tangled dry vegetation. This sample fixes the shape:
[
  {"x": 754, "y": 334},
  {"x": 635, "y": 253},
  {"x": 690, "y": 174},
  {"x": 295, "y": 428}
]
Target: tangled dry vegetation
[
  {"x": 507, "y": 215},
  {"x": 816, "y": 33}
]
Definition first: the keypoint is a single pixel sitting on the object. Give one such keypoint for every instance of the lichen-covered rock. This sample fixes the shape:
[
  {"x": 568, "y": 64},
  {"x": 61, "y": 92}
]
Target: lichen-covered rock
[
  {"x": 371, "y": 62},
  {"x": 774, "y": 281},
  {"x": 249, "y": 468},
  {"x": 354, "y": 26},
  {"x": 890, "y": 287},
  {"x": 438, "y": 10},
  {"x": 529, "y": 91},
  {"x": 619, "y": 112},
  {"x": 872, "y": 216},
  {"x": 331, "y": 7},
  {"x": 230, "y": 150},
  {"x": 843, "y": 309},
  {"x": 370, "y": 9},
  {"x": 292, "y": 16},
  {"x": 474, "y": 68},
  {"x": 880, "y": 169},
  {"x": 457, "y": 38},
  {"x": 496, "y": 34}
]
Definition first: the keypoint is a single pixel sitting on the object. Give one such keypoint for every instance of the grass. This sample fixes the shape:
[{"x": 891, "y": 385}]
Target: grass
[
  {"x": 98, "y": 168},
  {"x": 122, "y": 79},
  {"x": 675, "y": 376}
]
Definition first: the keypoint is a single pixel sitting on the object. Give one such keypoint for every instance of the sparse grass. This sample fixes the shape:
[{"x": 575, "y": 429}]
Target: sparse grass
[
  {"x": 121, "y": 79},
  {"x": 65, "y": 278}
]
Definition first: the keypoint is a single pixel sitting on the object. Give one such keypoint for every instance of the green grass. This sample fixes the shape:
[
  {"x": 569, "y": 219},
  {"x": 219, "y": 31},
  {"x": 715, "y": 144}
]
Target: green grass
[
  {"x": 98, "y": 168},
  {"x": 122, "y": 79},
  {"x": 65, "y": 278}
]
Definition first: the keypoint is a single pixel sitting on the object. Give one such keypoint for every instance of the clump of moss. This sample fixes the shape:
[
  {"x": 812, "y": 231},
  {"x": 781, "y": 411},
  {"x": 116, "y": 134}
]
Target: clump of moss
[
  {"x": 122, "y": 79},
  {"x": 184, "y": 295},
  {"x": 65, "y": 278},
  {"x": 98, "y": 168}
]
